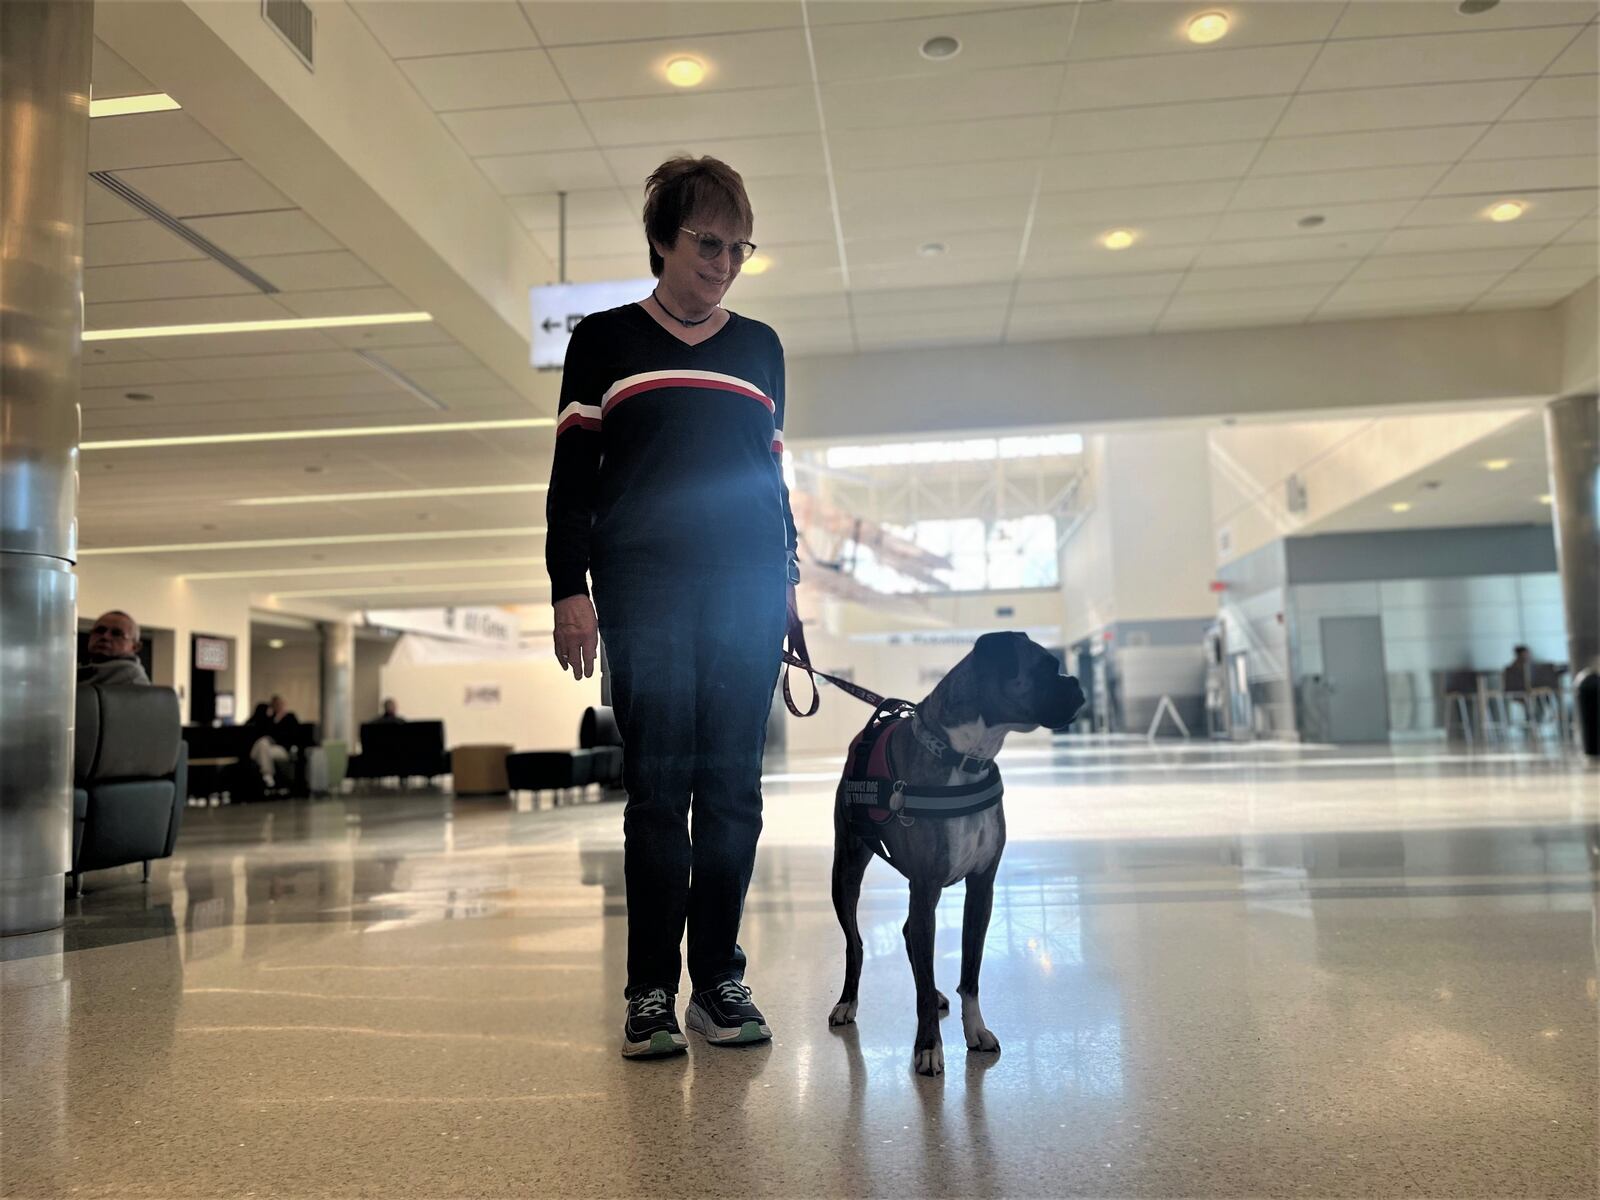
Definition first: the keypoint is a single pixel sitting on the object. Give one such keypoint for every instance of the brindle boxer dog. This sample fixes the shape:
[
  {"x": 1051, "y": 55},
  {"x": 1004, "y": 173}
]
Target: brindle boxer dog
[{"x": 1007, "y": 683}]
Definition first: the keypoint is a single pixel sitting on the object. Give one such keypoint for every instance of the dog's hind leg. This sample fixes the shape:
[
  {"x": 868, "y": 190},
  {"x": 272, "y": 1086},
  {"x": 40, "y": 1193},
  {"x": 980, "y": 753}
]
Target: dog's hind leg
[
  {"x": 929, "y": 1049},
  {"x": 974, "y": 928},
  {"x": 850, "y": 858}
]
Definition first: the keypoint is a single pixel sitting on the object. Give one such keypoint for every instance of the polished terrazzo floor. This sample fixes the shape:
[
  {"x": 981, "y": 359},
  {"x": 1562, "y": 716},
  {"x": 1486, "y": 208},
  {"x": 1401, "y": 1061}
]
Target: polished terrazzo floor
[{"x": 1215, "y": 971}]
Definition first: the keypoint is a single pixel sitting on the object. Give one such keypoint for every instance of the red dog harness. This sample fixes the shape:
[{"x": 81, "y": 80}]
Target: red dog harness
[{"x": 874, "y": 791}]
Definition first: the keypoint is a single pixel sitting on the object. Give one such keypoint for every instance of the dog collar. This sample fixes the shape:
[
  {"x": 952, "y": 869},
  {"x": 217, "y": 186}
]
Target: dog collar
[{"x": 947, "y": 755}]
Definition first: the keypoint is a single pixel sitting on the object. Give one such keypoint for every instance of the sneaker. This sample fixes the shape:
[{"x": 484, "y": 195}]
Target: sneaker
[
  {"x": 650, "y": 1029},
  {"x": 727, "y": 1016}
]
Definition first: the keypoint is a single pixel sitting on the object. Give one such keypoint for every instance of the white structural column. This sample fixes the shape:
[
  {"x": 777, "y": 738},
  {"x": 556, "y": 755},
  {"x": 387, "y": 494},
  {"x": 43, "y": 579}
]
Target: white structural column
[
  {"x": 338, "y": 672},
  {"x": 1572, "y": 433}
]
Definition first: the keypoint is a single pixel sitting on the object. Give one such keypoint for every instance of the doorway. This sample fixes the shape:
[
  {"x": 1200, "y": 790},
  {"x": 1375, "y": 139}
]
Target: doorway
[{"x": 1357, "y": 683}]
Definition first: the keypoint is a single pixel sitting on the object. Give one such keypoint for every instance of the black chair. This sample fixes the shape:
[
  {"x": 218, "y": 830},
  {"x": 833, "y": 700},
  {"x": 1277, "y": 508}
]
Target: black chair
[
  {"x": 130, "y": 768},
  {"x": 412, "y": 748}
]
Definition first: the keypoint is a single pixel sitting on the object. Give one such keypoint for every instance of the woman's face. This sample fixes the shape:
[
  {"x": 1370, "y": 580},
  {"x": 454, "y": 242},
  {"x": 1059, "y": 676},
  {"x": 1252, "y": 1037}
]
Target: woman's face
[{"x": 702, "y": 281}]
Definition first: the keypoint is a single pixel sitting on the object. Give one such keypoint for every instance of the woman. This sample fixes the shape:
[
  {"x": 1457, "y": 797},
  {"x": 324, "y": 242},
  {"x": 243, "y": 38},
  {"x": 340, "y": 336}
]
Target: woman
[{"x": 667, "y": 489}]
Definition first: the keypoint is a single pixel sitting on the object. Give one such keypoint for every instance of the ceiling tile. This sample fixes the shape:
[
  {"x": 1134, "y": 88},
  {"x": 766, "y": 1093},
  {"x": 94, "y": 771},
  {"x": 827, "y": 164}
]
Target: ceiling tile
[
  {"x": 568, "y": 170},
  {"x": 1180, "y": 78},
  {"x": 1483, "y": 235},
  {"x": 500, "y": 77},
  {"x": 197, "y": 189},
  {"x": 384, "y": 336},
  {"x": 590, "y": 241},
  {"x": 347, "y": 302},
  {"x": 1446, "y": 288},
  {"x": 119, "y": 242},
  {"x": 753, "y": 158},
  {"x": 1337, "y": 187},
  {"x": 215, "y": 368},
  {"x": 1539, "y": 139},
  {"x": 1035, "y": 294},
  {"x": 883, "y": 304},
  {"x": 1399, "y": 107},
  {"x": 1357, "y": 151},
  {"x": 1145, "y": 168},
  {"x": 1038, "y": 318},
  {"x": 1560, "y": 281},
  {"x": 525, "y": 129},
  {"x": 300, "y": 341},
  {"x": 656, "y": 119},
  {"x": 1565, "y": 255},
  {"x": 250, "y": 233},
  {"x": 564, "y": 23},
  {"x": 771, "y": 58},
  {"x": 931, "y": 273},
  {"x": 857, "y": 12},
  {"x": 1582, "y": 57},
  {"x": 1472, "y": 207},
  {"x": 313, "y": 272},
  {"x": 141, "y": 313},
  {"x": 1176, "y": 125},
  {"x": 1127, "y": 204},
  {"x": 946, "y": 142},
  {"x": 110, "y": 75},
  {"x": 779, "y": 311},
  {"x": 1452, "y": 262},
  {"x": 971, "y": 323},
  {"x": 798, "y": 257},
  {"x": 411, "y": 28},
  {"x": 593, "y": 206},
  {"x": 1086, "y": 327},
  {"x": 1337, "y": 218},
  {"x": 1265, "y": 279},
  {"x": 1443, "y": 58},
  {"x": 1522, "y": 174},
  {"x": 1007, "y": 38},
  {"x": 917, "y": 100},
  {"x": 935, "y": 218},
  {"x": 1549, "y": 99},
  {"x": 999, "y": 246},
  {"x": 150, "y": 140},
  {"x": 1393, "y": 20},
  {"x": 103, "y": 206},
  {"x": 1201, "y": 319},
  {"x": 135, "y": 375},
  {"x": 908, "y": 185},
  {"x": 1073, "y": 238},
  {"x": 1300, "y": 298},
  {"x": 1121, "y": 30},
  {"x": 161, "y": 281},
  {"x": 1136, "y": 260},
  {"x": 1296, "y": 249}
]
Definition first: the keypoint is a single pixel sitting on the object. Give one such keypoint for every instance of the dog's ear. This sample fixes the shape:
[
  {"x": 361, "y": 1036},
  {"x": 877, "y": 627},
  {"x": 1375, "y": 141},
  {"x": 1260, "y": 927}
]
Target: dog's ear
[{"x": 997, "y": 652}]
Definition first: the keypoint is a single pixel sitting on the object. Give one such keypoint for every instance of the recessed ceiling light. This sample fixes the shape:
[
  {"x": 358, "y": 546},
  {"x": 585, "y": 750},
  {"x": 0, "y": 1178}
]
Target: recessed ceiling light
[
  {"x": 1312, "y": 221},
  {"x": 137, "y": 396},
  {"x": 1471, "y": 8},
  {"x": 1496, "y": 464},
  {"x": 123, "y": 106},
  {"x": 685, "y": 72},
  {"x": 497, "y": 489},
  {"x": 283, "y": 325},
  {"x": 931, "y": 249},
  {"x": 301, "y": 435},
  {"x": 1118, "y": 239},
  {"x": 941, "y": 47},
  {"x": 1207, "y": 28},
  {"x": 1507, "y": 210},
  {"x": 1400, "y": 506},
  {"x": 274, "y": 643},
  {"x": 1547, "y": 498},
  {"x": 758, "y": 265}
]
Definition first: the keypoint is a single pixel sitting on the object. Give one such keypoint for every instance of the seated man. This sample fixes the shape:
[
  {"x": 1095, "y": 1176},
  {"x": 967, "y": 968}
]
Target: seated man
[
  {"x": 1518, "y": 675},
  {"x": 389, "y": 716},
  {"x": 266, "y": 753},
  {"x": 114, "y": 652}
]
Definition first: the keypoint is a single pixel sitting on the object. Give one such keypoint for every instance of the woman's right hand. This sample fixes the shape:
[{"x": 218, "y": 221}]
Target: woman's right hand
[{"x": 577, "y": 635}]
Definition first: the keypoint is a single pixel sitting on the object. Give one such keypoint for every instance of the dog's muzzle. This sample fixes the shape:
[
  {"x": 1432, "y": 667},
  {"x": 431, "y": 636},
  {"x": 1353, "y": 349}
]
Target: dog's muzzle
[{"x": 1064, "y": 702}]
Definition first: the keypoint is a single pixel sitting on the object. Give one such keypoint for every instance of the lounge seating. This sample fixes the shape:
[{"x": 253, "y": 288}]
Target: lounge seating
[
  {"x": 130, "y": 767},
  {"x": 219, "y": 757},
  {"x": 403, "y": 751},
  {"x": 599, "y": 761}
]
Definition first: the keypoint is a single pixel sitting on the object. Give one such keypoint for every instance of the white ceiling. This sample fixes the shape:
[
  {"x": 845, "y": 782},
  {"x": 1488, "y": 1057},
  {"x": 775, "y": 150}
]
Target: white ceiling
[{"x": 1397, "y": 122}]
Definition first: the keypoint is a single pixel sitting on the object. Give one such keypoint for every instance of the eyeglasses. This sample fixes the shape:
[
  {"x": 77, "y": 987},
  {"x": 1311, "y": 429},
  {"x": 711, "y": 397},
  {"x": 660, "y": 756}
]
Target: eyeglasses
[
  {"x": 710, "y": 246},
  {"x": 119, "y": 635}
]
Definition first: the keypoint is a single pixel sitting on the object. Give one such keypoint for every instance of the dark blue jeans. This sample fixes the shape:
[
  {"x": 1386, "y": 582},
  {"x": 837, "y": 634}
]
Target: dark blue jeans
[{"x": 693, "y": 660}]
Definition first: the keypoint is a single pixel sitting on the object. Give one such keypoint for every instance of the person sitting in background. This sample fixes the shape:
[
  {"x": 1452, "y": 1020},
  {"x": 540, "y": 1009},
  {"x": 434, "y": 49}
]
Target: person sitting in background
[
  {"x": 1518, "y": 675},
  {"x": 266, "y": 753},
  {"x": 389, "y": 716},
  {"x": 114, "y": 652}
]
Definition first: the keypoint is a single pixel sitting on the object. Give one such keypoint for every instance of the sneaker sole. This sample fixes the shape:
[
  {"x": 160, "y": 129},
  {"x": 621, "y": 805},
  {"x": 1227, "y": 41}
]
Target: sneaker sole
[
  {"x": 699, "y": 1021},
  {"x": 660, "y": 1045}
]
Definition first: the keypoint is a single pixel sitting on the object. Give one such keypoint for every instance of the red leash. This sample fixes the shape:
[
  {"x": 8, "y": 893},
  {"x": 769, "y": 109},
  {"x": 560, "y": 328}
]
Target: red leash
[{"x": 798, "y": 656}]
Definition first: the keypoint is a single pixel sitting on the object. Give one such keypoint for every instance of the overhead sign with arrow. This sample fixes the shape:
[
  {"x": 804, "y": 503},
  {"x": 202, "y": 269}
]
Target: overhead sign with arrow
[{"x": 558, "y": 308}]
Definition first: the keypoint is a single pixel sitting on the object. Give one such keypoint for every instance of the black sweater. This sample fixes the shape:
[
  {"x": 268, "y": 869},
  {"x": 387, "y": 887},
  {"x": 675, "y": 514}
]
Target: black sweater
[{"x": 667, "y": 454}]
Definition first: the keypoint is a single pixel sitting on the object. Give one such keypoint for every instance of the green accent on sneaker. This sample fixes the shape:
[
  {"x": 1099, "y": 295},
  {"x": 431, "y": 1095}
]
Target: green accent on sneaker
[
  {"x": 751, "y": 1032},
  {"x": 661, "y": 1042}
]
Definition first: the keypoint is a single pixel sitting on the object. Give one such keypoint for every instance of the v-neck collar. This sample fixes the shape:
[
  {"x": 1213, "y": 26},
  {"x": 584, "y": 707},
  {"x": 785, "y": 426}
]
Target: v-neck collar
[{"x": 665, "y": 332}]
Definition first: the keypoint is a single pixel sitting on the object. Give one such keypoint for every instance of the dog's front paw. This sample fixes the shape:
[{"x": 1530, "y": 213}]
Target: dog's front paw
[
  {"x": 843, "y": 1013},
  {"x": 931, "y": 1060},
  {"x": 982, "y": 1039}
]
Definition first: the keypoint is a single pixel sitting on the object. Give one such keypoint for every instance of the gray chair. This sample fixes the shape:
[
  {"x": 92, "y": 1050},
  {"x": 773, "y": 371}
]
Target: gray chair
[{"x": 130, "y": 768}]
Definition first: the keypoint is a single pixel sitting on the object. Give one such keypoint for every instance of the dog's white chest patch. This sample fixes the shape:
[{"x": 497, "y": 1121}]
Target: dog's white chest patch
[{"x": 973, "y": 841}]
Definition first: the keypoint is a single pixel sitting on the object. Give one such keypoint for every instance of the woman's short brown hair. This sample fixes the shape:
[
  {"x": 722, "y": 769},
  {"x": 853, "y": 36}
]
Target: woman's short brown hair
[{"x": 684, "y": 187}]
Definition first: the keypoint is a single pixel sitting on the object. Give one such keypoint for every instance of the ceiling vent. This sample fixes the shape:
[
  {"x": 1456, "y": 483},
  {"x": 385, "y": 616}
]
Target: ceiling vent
[
  {"x": 295, "y": 23},
  {"x": 171, "y": 223}
]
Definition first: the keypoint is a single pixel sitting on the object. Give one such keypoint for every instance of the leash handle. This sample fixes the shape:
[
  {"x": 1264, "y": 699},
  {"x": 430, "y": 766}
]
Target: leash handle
[{"x": 798, "y": 656}]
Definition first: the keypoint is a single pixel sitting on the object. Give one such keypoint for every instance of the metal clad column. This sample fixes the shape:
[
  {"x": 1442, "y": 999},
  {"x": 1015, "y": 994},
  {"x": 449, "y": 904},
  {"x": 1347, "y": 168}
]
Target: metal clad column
[
  {"x": 1572, "y": 434},
  {"x": 338, "y": 670},
  {"x": 45, "y": 52}
]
